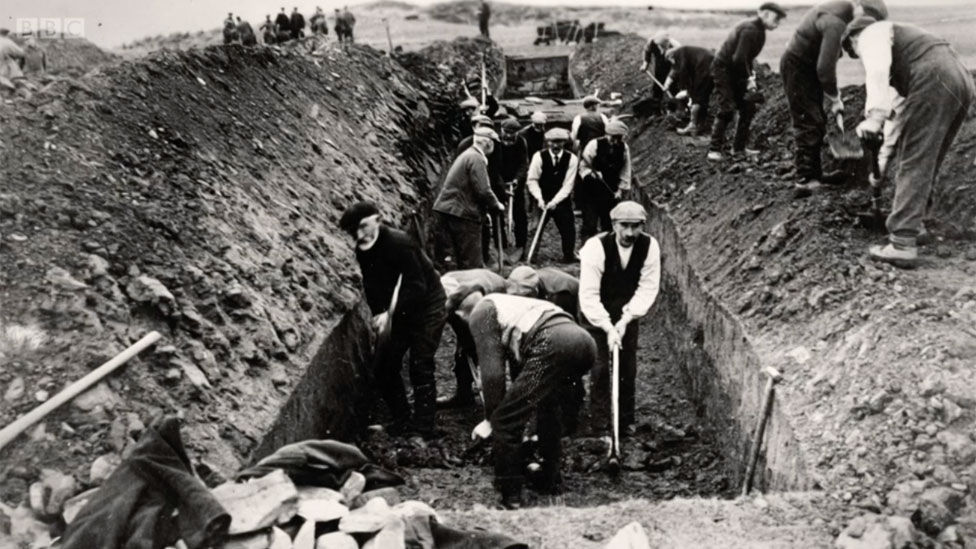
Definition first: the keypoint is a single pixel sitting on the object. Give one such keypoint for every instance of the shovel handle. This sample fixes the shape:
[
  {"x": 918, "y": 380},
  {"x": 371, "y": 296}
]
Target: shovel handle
[
  {"x": 840, "y": 121},
  {"x": 615, "y": 401},
  {"x": 535, "y": 240}
]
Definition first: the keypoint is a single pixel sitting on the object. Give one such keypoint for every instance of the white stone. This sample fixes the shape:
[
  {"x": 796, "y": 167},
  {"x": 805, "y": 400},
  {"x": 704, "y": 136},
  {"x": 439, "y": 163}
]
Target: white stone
[{"x": 631, "y": 536}]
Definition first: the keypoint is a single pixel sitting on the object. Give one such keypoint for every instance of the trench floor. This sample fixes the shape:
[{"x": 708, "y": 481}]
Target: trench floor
[{"x": 672, "y": 455}]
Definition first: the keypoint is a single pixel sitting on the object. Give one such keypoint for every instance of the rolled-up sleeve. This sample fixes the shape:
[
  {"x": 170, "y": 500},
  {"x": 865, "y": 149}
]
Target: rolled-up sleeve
[
  {"x": 591, "y": 273},
  {"x": 647, "y": 288}
]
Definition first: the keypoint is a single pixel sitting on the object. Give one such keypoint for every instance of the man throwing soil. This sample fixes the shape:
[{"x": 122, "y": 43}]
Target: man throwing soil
[
  {"x": 405, "y": 296},
  {"x": 619, "y": 276},
  {"x": 938, "y": 91},
  {"x": 735, "y": 82},
  {"x": 545, "y": 350}
]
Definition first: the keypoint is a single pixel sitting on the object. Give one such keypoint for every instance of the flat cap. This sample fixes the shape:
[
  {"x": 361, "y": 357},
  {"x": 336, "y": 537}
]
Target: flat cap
[
  {"x": 628, "y": 210},
  {"x": 470, "y": 103},
  {"x": 539, "y": 117},
  {"x": 350, "y": 219},
  {"x": 616, "y": 127},
  {"x": 853, "y": 29},
  {"x": 875, "y": 8},
  {"x": 524, "y": 281},
  {"x": 557, "y": 134},
  {"x": 511, "y": 124},
  {"x": 591, "y": 100},
  {"x": 485, "y": 132},
  {"x": 482, "y": 119},
  {"x": 774, "y": 7}
]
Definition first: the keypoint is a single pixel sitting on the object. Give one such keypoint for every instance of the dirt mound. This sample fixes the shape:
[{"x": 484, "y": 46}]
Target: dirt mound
[
  {"x": 878, "y": 389},
  {"x": 195, "y": 193},
  {"x": 76, "y": 55}
]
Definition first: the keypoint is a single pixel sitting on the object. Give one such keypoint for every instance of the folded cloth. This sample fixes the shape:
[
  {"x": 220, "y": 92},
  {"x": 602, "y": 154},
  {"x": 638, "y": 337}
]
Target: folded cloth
[
  {"x": 446, "y": 537},
  {"x": 150, "y": 501},
  {"x": 325, "y": 463}
]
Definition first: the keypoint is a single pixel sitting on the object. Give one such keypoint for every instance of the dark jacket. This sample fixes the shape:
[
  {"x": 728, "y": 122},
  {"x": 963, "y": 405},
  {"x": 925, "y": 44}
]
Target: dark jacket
[
  {"x": 535, "y": 141},
  {"x": 395, "y": 254},
  {"x": 297, "y": 22},
  {"x": 466, "y": 192},
  {"x": 556, "y": 286},
  {"x": 816, "y": 41},
  {"x": 514, "y": 160},
  {"x": 282, "y": 22},
  {"x": 690, "y": 66},
  {"x": 741, "y": 47},
  {"x": 495, "y": 162}
]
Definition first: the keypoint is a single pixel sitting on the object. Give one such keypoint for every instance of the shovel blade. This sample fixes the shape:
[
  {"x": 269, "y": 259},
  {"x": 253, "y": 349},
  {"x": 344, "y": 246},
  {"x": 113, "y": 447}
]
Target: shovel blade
[{"x": 845, "y": 146}]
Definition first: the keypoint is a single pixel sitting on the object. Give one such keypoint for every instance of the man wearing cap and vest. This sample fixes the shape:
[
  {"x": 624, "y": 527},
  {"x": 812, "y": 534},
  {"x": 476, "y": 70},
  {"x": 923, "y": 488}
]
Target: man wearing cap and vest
[
  {"x": 605, "y": 172},
  {"x": 387, "y": 258},
  {"x": 619, "y": 276},
  {"x": 938, "y": 91},
  {"x": 552, "y": 175},
  {"x": 513, "y": 171},
  {"x": 691, "y": 75},
  {"x": 466, "y": 197},
  {"x": 589, "y": 124},
  {"x": 732, "y": 74},
  {"x": 458, "y": 286},
  {"x": 535, "y": 133},
  {"x": 545, "y": 350},
  {"x": 656, "y": 62},
  {"x": 809, "y": 70}
]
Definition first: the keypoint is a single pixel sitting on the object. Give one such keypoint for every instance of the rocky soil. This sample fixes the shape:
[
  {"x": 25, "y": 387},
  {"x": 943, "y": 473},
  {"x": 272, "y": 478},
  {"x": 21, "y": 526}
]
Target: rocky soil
[{"x": 878, "y": 361}]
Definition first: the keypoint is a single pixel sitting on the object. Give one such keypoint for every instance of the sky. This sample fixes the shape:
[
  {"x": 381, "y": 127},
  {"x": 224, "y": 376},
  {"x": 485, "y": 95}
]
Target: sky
[{"x": 110, "y": 23}]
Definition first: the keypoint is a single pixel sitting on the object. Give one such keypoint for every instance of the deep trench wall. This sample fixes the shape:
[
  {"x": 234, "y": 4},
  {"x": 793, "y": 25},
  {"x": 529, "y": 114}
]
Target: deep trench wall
[{"x": 722, "y": 370}]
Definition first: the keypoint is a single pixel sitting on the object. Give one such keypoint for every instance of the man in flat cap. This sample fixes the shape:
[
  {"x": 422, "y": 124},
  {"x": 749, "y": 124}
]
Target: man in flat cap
[
  {"x": 691, "y": 77},
  {"x": 938, "y": 92},
  {"x": 619, "y": 276},
  {"x": 589, "y": 124},
  {"x": 513, "y": 171},
  {"x": 466, "y": 197},
  {"x": 551, "y": 178},
  {"x": 733, "y": 75},
  {"x": 809, "y": 70},
  {"x": 405, "y": 295},
  {"x": 605, "y": 173},
  {"x": 656, "y": 63},
  {"x": 535, "y": 133}
]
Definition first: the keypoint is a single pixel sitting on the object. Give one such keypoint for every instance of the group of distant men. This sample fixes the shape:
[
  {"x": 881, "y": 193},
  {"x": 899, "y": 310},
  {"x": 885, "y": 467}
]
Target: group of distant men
[
  {"x": 524, "y": 343},
  {"x": 284, "y": 27},
  {"x": 918, "y": 95}
]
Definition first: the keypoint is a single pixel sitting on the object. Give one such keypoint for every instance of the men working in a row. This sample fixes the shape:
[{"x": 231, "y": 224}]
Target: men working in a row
[
  {"x": 405, "y": 296},
  {"x": 551, "y": 177},
  {"x": 809, "y": 70},
  {"x": 466, "y": 197},
  {"x": 937, "y": 90},
  {"x": 605, "y": 174},
  {"x": 619, "y": 278},
  {"x": 732, "y": 73}
]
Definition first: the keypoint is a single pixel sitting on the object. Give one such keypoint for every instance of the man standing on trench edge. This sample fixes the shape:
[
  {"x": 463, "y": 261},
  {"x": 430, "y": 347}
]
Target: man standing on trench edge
[
  {"x": 620, "y": 273},
  {"x": 809, "y": 70},
  {"x": 389, "y": 259},
  {"x": 735, "y": 81},
  {"x": 466, "y": 197},
  {"x": 938, "y": 92},
  {"x": 545, "y": 351}
]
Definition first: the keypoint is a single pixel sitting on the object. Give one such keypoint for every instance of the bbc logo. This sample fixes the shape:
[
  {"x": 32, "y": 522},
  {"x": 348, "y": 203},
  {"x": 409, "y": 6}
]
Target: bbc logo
[{"x": 51, "y": 28}]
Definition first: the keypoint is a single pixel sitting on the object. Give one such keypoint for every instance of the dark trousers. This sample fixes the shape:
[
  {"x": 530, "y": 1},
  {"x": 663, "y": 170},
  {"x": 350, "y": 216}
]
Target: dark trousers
[
  {"x": 489, "y": 234},
  {"x": 600, "y": 388},
  {"x": 565, "y": 221},
  {"x": 805, "y": 97},
  {"x": 731, "y": 92},
  {"x": 520, "y": 219},
  {"x": 464, "y": 353},
  {"x": 483, "y": 27},
  {"x": 661, "y": 70},
  {"x": 597, "y": 202},
  {"x": 465, "y": 238},
  {"x": 939, "y": 100},
  {"x": 420, "y": 333},
  {"x": 556, "y": 353}
]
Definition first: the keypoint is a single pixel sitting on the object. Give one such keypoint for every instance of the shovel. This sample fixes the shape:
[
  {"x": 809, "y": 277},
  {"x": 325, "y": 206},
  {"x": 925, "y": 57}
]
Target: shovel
[
  {"x": 613, "y": 461},
  {"x": 535, "y": 239},
  {"x": 874, "y": 218},
  {"x": 843, "y": 145}
]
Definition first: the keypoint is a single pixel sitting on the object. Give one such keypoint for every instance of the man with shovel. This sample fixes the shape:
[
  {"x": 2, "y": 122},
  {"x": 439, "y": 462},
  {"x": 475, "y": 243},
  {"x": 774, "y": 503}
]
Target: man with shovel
[
  {"x": 691, "y": 74},
  {"x": 405, "y": 295},
  {"x": 657, "y": 64},
  {"x": 938, "y": 91},
  {"x": 809, "y": 70},
  {"x": 619, "y": 276},
  {"x": 605, "y": 173},
  {"x": 552, "y": 175},
  {"x": 513, "y": 172}
]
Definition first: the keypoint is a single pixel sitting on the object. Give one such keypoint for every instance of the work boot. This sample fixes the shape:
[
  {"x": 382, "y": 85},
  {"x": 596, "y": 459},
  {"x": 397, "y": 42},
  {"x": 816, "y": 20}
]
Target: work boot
[
  {"x": 425, "y": 410},
  {"x": 463, "y": 398},
  {"x": 692, "y": 128},
  {"x": 511, "y": 490},
  {"x": 716, "y": 156},
  {"x": 805, "y": 188},
  {"x": 905, "y": 257}
]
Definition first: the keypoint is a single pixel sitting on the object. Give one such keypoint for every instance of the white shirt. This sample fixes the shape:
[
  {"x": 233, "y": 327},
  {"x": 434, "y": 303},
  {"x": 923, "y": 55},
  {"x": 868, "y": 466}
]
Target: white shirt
[
  {"x": 535, "y": 172},
  {"x": 516, "y": 316},
  {"x": 592, "y": 261},
  {"x": 874, "y": 49}
]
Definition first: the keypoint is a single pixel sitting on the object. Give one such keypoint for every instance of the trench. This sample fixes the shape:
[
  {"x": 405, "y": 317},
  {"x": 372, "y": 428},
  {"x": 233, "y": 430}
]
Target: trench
[{"x": 700, "y": 392}]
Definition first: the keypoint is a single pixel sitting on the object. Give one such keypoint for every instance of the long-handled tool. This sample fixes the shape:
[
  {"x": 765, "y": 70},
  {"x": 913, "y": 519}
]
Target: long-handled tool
[
  {"x": 874, "y": 218},
  {"x": 773, "y": 376},
  {"x": 510, "y": 213},
  {"x": 613, "y": 461},
  {"x": 484, "y": 82},
  {"x": 10, "y": 432},
  {"x": 535, "y": 239},
  {"x": 500, "y": 249},
  {"x": 667, "y": 94},
  {"x": 843, "y": 145}
]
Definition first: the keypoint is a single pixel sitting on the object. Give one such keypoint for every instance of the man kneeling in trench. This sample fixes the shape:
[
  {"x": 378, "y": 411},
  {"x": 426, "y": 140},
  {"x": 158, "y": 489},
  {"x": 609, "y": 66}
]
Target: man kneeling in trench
[{"x": 546, "y": 350}]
